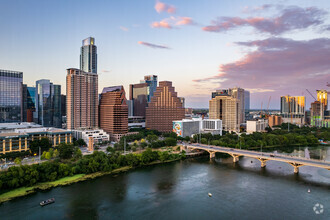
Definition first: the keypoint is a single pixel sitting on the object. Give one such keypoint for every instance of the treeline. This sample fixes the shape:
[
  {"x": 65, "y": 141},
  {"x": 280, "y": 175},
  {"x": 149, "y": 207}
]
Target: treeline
[
  {"x": 29, "y": 175},
  {"x": 260, "y": 139}
]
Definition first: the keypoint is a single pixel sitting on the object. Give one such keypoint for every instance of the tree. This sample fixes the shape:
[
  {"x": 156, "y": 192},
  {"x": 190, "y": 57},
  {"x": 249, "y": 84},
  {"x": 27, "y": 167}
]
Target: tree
[
  {"x": 77, "y": 153},
  {"x": 169, "y": 141},
  {"x": 56, "y": 153},
  {"x": 48, "y": 156},
  {"x": 44, "y": 145},
  {"x": 65, "y": 151},
  {"x": 151, "y": 138},
  {"x": 81, "y": 142},
  {"x": 18, "y": 161}
]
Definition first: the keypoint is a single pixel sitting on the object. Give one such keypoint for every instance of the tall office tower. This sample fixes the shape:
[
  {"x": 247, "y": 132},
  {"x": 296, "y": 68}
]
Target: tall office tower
[
  {"x": 239, "y": 93},
  {"x": 88, "y": 55},
  {"x": 164, "y": 108},
  {"x": 226, "y": 108},
  {"x": 130, "y": 107},
  {"x": 24, "y": 102},
  {"x": 141, "y": 94},
  {"x": 247, "y": 100},
  {"x": 151, "y": 80},
  {"x": 48, "y": 104},
  {"x": 293, "y": 109},
  {"x": 63, "y": 105},
  {"x": 138, "y": 93},
  {"x": 114, "y": 112},
  {"x": 81, "y": 99},
  {"x": 31, "y": 103},
  {"x": 11, "y": 96},
  {"x": 322, "y": 97}
]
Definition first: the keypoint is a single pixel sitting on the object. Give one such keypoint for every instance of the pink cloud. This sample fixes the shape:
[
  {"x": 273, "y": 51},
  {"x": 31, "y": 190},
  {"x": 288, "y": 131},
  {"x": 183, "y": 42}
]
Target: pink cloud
[
  {"x": 290, "y": 18},
  {"x": 172, "y": 21},
  {"x": 123, "y": 28},
  {"x": 284, "y": 66},
  {"x": 160, "y": 7},
  {"x": 154, "y": 46},
  {"x": 161, "y": 24},
  {"x": 184, "y": 21}
]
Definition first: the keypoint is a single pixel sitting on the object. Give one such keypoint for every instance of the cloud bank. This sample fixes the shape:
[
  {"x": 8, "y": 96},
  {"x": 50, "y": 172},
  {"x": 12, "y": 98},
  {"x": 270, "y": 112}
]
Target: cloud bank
[{"x": 163, "y": 7}]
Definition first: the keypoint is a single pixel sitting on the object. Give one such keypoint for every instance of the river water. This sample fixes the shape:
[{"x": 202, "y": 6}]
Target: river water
[{"x": 179, "y": 190}]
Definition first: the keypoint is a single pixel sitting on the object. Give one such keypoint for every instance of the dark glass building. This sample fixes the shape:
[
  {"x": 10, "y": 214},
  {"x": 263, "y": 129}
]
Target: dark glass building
[
  {"x": 48, "y": 104},
  {"x": 11, "y": 91},
  {"x": 31, "y": 103},
  {"x": 88, "y": 56}
]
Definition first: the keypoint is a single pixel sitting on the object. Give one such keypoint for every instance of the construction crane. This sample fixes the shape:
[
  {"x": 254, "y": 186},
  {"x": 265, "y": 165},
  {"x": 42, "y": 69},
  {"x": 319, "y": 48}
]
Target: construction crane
[
  {"x": 261, "y": 110},
  {"x": 310, "y": 94}
]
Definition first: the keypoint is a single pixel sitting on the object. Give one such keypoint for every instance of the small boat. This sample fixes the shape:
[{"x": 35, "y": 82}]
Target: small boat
[
  {"x": 309, "y": 190},
  {"x": 47, "y": 202},
  {"x": 210, "y": 195}
]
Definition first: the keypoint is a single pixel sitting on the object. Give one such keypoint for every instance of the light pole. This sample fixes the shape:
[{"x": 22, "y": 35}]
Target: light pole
[{"x": 39, "y": 154}]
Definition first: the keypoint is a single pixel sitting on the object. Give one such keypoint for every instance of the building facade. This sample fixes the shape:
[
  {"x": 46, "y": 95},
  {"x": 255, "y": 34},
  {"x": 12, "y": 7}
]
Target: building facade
[
  {"x": 247, "y": 100},
  {"x": 274, "y": 120},
  {"x": 48, "y": 104},
  {"x": 152, "y": 81},
  {"x": 11, "y": 106},
  {"x": 293, "y": 109},
  {"x": 139, "y": 95},
  {"x": 164, "y": 108},
  {"x": 88, "y": 56},
  {"x": 227, "y": 109},
  {"x": 97, "y": 135},
  {"x": 190, "y": 127},
  {"x": 114, "y": 112},
  {"x": 256, "y": 125},
  {"x": 81, "y": 99}
]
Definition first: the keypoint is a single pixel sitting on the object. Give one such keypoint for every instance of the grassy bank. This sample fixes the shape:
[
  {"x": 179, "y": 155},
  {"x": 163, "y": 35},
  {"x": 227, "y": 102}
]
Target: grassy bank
[{"x": 23, "y": 191}]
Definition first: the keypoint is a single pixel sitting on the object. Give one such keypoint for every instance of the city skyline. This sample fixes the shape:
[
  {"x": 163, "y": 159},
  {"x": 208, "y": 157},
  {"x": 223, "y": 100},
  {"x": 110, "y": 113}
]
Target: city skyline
[{"x": 200, "y": 47}]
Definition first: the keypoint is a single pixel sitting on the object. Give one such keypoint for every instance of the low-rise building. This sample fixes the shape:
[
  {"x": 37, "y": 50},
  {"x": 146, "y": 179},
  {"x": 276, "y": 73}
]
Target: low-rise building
[
  {"x": 189, "y": 127},
  {"x": 274, "y": 120},
  {"x": 256, "y": 125},
  {"x": 98, "y": 135},
  {"x": 10, "y": 127},
  {"x": 20, "y": 138}
]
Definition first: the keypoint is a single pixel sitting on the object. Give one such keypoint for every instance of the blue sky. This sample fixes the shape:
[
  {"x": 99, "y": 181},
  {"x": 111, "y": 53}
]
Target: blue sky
[{"x": 43, "y": 38}]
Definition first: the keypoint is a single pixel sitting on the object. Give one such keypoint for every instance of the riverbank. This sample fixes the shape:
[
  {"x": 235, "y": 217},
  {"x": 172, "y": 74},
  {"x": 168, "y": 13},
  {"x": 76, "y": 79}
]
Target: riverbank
[{"x": 23, "y": 191}]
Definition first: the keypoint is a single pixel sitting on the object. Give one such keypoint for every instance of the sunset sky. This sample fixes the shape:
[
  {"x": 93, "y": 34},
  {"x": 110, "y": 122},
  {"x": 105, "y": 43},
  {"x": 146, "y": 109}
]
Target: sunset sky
[{"x": 271, "y": 48}]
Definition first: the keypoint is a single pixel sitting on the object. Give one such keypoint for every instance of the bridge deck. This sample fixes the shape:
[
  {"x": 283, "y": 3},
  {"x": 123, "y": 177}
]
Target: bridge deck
[{"x": 265, "y": 156}]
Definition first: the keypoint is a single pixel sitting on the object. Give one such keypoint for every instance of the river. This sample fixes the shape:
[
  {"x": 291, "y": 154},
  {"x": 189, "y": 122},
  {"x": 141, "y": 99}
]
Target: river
[{"x": 179, "y": 190}]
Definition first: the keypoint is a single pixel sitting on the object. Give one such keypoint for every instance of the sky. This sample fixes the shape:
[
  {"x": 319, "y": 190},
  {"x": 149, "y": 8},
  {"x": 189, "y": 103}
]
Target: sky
[{"x": 271, "y": 48}]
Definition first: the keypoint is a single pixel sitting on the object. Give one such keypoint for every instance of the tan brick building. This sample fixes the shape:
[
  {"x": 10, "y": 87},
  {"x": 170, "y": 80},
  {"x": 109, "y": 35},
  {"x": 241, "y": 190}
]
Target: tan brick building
[{"x": 164, "y": 108}]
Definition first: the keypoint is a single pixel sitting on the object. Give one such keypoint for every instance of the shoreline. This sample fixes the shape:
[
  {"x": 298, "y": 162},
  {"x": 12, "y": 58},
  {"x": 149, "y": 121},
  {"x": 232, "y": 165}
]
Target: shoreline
[{"x": 24, "y": 191}]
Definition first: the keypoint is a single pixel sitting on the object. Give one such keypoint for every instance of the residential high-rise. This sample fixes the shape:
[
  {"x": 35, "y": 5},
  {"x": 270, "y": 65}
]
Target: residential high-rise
[
  {"x": 227, "y": 109},
  {"x": 293, "y": 109},
  {"x": 11, "y": 91},
  {"x": 322, "y": 97},
  {"x": 114, "y": 112},
  {"x": 237, "y": 93},
  {"x": 63, "y": 105},
  {"x": 88, "y": 55},
  {"x": 316, "y": 113},
  {"x": 81, "y": 99},
  {"x": 164, "y": 108},
  {"x": 48, "y": 104}
]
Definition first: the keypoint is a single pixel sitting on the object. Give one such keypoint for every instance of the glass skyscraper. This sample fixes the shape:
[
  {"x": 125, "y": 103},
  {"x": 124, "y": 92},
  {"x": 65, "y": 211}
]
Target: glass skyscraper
[
  {"x": 88, "y": 56},
  {"x": 11, "y": 91},
  {"x": 48, "y": 104},
  {"x": 151, "y": 80}
]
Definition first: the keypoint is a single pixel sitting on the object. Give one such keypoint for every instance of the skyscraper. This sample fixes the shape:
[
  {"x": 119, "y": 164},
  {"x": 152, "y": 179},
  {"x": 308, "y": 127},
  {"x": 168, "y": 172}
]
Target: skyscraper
[
  {"x": 81, "y": 99},
  {"x": 322, "y": 97},
  {"x": 48, "y": 104},
  {"x": 227, "y": 109},
  {"x": 141, "y": 94},
  {"x": 151, "y": 80},
  {"x": 164, "y": 108},
  {"x": 237, "y": 93},
  {"x": 114, "y": 112},
  {"x": 31, "y": 103},
  {"x": 88, "y": 55},
  {"x": 11, "y": 108},
  {"x": 247, "y": 100}
]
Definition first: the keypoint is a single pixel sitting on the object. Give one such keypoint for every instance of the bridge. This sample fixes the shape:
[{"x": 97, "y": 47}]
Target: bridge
[{"x": 295, "y": 162}]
